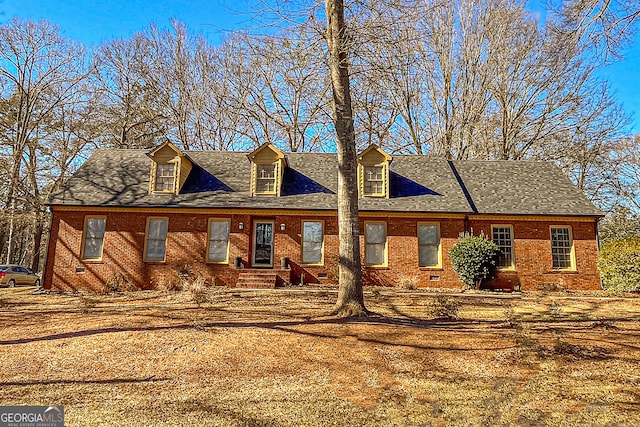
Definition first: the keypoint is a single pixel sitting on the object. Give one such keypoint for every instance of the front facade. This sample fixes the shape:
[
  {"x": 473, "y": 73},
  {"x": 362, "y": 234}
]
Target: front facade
[{"x": 150, "y": 216}]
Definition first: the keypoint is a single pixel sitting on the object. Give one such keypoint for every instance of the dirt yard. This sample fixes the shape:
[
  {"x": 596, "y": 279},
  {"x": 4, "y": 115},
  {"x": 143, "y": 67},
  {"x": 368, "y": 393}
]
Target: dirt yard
[{"x": 273, "y": 358}]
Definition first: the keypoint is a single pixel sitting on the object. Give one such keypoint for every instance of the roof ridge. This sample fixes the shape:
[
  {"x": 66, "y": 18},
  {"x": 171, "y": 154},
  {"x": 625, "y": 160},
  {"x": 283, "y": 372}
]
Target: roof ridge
[{"x": 502, "y": 161}]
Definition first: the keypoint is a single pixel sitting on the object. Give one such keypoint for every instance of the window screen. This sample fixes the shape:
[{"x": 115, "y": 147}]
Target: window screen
[
  {"x": 312, "y": 235},
  {"x": 429, "y": 245},
  {"x": 156, "y": 239},
  {"x": 218, "y": 240},
  {"x": 376, "y": 243},
  {"x": 94, "y": 237}
]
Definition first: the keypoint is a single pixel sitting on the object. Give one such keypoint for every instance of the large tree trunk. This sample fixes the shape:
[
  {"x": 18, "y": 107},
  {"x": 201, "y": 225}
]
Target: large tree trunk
[{"x": 350, "y": 297}]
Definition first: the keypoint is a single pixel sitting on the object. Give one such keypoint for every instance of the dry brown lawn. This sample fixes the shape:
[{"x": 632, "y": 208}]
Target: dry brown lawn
[{"x": 273, "y": 358}]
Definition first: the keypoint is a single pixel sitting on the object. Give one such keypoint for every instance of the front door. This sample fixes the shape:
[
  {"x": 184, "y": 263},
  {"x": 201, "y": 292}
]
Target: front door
[{"x": 262, "y": 243}]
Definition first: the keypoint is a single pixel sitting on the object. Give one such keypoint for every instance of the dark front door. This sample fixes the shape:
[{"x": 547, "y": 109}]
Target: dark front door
[{"x": 263, "y": 243}]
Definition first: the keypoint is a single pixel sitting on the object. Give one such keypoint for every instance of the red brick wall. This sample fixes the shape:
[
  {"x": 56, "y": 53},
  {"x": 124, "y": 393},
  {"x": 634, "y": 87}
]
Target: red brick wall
[
  {"x": 532, "y": 248},
  {"x": 187, "y": 243},
  {"x": 402, "y": 251}
]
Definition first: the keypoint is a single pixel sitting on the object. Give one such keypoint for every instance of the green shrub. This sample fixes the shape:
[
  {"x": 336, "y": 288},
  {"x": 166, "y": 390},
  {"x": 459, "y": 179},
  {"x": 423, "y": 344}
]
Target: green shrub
[
  {"x": 473, "y": 258},
  {"x": 619, "y": 264}
]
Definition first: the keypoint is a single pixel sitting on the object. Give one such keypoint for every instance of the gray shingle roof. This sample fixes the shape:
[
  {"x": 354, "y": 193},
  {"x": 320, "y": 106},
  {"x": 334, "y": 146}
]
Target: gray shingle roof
[
  {"x": 120, "y": 178},
  {"x": 521, "y": 187}
]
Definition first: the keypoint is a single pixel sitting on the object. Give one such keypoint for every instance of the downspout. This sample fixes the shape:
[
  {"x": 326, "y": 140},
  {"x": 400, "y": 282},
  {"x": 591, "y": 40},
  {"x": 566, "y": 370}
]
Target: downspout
[
  {"x": 46, "y": 254},
  {"x": 596, "y": 226}
]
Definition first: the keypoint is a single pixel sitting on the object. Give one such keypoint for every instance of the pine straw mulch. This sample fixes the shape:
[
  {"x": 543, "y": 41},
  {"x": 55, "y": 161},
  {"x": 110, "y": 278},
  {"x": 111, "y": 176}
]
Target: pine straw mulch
[{"x": 271, "y": 358}]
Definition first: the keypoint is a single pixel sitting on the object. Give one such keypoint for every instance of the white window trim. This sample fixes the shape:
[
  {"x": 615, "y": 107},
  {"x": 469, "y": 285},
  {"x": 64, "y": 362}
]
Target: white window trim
[
  {"x": 275, "y": 179},
  {"x": 430, "y": 266},
  {"x": 155, "y": 178},
  {"x": 365, "y": 180},
  {"x": 211, "y": 220},
  {"x": 511, "y": 267},
  {"x": 302, "y": 243}
]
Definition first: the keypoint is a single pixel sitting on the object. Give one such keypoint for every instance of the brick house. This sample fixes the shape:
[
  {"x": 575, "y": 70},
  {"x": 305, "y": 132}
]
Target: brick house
[{"x": 233, "y": 217}]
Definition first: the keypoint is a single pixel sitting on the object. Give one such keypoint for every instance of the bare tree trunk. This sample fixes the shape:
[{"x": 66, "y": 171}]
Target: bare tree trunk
[
  {"x": 11, "y": 198},
  {"x": 350, "y": 297}
]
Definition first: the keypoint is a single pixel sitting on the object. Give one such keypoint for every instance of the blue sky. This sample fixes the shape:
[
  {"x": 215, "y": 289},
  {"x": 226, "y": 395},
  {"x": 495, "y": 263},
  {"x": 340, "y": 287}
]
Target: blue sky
[{"x": 94, "y": 21}]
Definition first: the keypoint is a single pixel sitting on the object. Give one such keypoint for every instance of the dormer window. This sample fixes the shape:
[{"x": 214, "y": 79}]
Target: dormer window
[
  {"x": 267, "y": 168},
  {"x": 170, "y": 168},
  {"x": 165, "y": 177},
  {"x": 373, "y": 181},
  {"x": 266, "y": 179},
  {"x": 373, "y": 172}
]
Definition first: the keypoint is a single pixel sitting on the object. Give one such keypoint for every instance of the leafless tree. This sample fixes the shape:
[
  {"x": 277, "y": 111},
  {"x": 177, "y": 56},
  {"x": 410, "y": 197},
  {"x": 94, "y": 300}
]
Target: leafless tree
[
  {"x": 604, "y": 24},
  {"x": 350, "y": 296},
  {"x": 131, "y": 114},
  {"x": 223, "y": 83},
  {"x": 389, "y": 73},
  {"x": 41, "y": 73},
  {"x": 292, "y": 93},
  {"x": 174, "y": 75}
]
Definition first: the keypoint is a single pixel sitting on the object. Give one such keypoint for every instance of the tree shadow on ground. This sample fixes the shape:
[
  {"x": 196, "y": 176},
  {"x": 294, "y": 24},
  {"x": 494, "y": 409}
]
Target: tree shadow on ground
[
  {"x": 150, "y": 379},
  {"x": 289, "y": 326}
]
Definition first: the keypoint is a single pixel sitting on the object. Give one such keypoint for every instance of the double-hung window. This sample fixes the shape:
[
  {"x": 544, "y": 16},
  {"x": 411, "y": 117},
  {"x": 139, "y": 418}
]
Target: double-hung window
[
  {"x": 375, "y": 237},
  {"x": 503, "y": 237},
  {"x": 165, "y": 177},
  {"x": 93, "y": 241},
  {"x": 156, "y": 239},
  {"x": 429, "y": 244},
  {"x": 218, "y": 249},
  {"x": 373, "y": 181},
  {"x": 312, "y": 239},
  {"x": 266, "y": 179},
  {"x": 562, "y": 248}
]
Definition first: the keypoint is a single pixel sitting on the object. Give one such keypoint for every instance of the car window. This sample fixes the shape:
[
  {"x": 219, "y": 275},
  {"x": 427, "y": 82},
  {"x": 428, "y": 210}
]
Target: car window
[
  {"x": 20, "y": 270},
  {"x": 3, "y": 268}
]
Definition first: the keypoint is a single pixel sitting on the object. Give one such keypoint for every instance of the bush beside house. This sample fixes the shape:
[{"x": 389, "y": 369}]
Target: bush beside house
[
  {"x": 619, "y": 264},
  {"x": 473, "y": 258}
]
